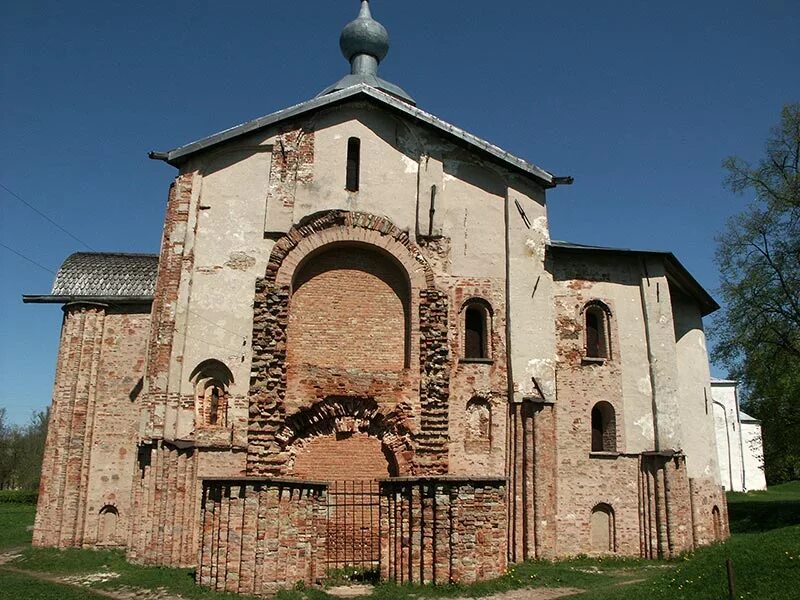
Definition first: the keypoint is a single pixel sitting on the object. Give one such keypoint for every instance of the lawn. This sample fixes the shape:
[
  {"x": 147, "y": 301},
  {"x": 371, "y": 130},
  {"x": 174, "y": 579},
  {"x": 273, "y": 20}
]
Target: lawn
[{"x": 764, "y": 549}]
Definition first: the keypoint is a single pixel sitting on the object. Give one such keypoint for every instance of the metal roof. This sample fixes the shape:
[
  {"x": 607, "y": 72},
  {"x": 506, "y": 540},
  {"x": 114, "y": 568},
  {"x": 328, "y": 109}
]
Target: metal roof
[
  {"x": 677, "y": 273},
  {"x": 364, "y": 91},
  {"x": 103, "y": 275}
]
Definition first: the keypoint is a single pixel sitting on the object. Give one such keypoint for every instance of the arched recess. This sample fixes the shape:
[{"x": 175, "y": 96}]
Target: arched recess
[
  {"x": 603, "y": 528},
  {"x": 348, "y": 418},
  {"x": 107, "y": 525},
  {"x": 478, "y": 430},
  {"x": 212, "y": 380},
  {"x": 716, "y": 518},
  {"x": 350, "y": 308}
]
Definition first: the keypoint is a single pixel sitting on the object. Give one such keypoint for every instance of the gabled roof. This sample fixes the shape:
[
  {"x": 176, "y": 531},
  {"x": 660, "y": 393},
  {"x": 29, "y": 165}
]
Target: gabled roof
[
  {"x": 677, "y": 273},
  {"x": 109, "y": 276},
  {"x": 362, "y": 91}
]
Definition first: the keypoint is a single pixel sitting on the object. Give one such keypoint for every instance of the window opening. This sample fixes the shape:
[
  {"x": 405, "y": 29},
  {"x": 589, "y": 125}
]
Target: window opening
[
  {"x": 604, "y": 428},
  {"x": 353, "y": 164},
  {"x": 475, "y": 333},
  {"x": 596, "y": 334}
]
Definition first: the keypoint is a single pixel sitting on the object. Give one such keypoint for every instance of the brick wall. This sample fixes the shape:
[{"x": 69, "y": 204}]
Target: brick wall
[
  {"x": 443, "y": 529},
  {"x": 398, "y": 356},
  {"x": 341, "y": 456},
  {"x": 89, "y": 452},
  {"x": 116, "y": 417},
  {"x": 174, "y": 262},
  {"x": 260, "y": 535},
  {"x": 349, "y": 309},
  {"x": 166, "y": 506}
]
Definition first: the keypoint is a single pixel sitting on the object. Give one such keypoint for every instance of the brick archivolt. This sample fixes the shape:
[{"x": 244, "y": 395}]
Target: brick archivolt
[
  {"x": 268, "y": 383},
  {"x": 346, "y": 226},
  {"x": 349, "y": 415}
]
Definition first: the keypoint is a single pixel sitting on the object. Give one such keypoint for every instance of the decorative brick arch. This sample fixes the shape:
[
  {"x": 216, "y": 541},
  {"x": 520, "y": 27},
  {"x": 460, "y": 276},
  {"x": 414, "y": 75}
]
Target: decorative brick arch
[
  {"x": 338, "y": 415},
  {"x": 266, "y": 453},
  {"x": 338, "y": 226}
]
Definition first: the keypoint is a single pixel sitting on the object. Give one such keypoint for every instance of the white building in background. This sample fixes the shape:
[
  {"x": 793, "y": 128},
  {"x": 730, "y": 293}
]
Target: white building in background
[{"x": 739, "y": 445}]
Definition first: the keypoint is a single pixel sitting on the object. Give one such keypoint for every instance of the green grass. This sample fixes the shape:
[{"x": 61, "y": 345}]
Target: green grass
[
  {"x": 764, "y": 548},
  {"x": 14, "y": 522},
  {"x": 17, "y": 586}
]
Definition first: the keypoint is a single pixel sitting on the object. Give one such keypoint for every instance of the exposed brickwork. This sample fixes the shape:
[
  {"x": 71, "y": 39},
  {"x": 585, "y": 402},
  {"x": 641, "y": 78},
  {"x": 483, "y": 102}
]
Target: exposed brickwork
[
  {"x": 292, "y": 163},
  {"x": 443, "y": 530},
  {"x": 60, "y": 514},
  {"x": 397, "y": 297},
  {"x": 342, "y": 456},
  {"x": 174, "y": 261},
  {"x": 166, "y": 502},
  {"x": 257, "y": 536},
  {"x": 435, "y": 383},
  {"x": 349, "y": 310},
  {"x": 90, "y": 446}
]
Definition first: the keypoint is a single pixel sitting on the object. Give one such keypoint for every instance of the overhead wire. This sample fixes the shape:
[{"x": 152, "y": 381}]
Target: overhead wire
[
  {"x": 77, "y": 239},
  {"x": 44, "y": 216},
  {"x": 30, "y": 260}
]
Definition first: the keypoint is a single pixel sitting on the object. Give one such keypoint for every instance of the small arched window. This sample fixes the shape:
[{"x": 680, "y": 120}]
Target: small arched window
[
  {"x": 211, "y": 379},
  {"x": 604, "y": 428},
  {"x": 597, "y": 320},
  {"x": 717, "y": 522},
  {"x": 107, "y": 525},
  {"x": 603, "y": 529},
  {"x": 477, "y": 330},
  {"x": 353, "y": 164}
]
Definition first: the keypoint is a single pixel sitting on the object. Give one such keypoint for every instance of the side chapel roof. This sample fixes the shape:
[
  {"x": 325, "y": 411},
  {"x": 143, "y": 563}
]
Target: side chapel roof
[
  {"x": 676, "y": 272},
  {"x": 103, "y": 276}
]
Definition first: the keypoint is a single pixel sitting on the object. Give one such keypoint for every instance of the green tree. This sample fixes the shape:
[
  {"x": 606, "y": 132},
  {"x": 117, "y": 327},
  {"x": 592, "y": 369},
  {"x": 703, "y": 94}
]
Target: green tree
[{"x": 757, "y": 334}]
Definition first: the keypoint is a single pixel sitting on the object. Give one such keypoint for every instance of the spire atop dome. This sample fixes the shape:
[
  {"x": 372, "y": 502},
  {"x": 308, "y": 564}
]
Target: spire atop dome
[{"x": 365, "y": 43}]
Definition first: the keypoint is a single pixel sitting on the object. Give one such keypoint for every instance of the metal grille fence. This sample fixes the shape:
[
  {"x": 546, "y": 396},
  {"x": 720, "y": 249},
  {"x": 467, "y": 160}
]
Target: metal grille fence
[{"x": 353, "y": 528}]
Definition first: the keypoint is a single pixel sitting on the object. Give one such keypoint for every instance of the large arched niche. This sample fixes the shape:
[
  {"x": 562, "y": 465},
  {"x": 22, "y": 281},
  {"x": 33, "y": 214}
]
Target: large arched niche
[
  {"x": 347, "y": 438},
  {"x": 350, "y": 308}
]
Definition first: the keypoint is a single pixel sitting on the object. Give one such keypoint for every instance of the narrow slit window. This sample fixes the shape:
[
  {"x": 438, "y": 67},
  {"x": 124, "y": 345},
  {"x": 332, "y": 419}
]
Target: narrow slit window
[
  {"x": 213, "y": 409},
  {"x": 353, "y": 164}
]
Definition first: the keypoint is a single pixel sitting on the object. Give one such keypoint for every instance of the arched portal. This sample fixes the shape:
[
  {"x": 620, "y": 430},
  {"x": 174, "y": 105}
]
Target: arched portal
[{"x": 350, "y": 444}]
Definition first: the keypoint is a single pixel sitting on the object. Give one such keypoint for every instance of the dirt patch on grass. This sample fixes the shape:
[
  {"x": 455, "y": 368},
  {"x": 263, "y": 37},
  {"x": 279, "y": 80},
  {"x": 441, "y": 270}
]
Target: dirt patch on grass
[{"x": 536, "y": 594}]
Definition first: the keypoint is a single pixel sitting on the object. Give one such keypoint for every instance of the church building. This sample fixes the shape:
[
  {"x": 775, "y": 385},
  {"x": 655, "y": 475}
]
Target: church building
[{"x": 358, "y": 346}]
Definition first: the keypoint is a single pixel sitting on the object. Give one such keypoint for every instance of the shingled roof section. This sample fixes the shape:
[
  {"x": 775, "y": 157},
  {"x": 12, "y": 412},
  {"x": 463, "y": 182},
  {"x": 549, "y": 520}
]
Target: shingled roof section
[{"x": 107, "y": 274}]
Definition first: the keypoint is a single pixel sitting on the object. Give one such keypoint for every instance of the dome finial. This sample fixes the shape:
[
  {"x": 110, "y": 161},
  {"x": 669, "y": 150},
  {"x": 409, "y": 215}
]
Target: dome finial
[
  {"x": 365, "y": 43},
  {"x": 364, "y": 37}
]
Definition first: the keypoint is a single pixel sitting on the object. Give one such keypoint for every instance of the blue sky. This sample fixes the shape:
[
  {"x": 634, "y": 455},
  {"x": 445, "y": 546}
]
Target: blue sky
[{"x": 639, "y": 101}]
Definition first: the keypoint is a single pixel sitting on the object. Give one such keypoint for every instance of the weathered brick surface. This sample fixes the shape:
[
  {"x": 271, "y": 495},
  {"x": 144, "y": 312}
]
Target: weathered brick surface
[
  {"x": 259, "y": 535},
  {"x": 443, "y": 530},
  {"x": 89, "y": 451},
  {"x": 166, "y": 503},
  {"x": 174, "y": 264},
  {"x": 408, "y": 332},
  {"x": 349, "y": 310}
]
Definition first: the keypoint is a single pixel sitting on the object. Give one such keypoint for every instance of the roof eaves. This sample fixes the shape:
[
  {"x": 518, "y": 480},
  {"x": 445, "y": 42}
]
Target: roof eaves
[
  {"x": 675, "y": 270},
  {"x": 110, "y": 300},
  {"x": 177, "y": 155}
]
